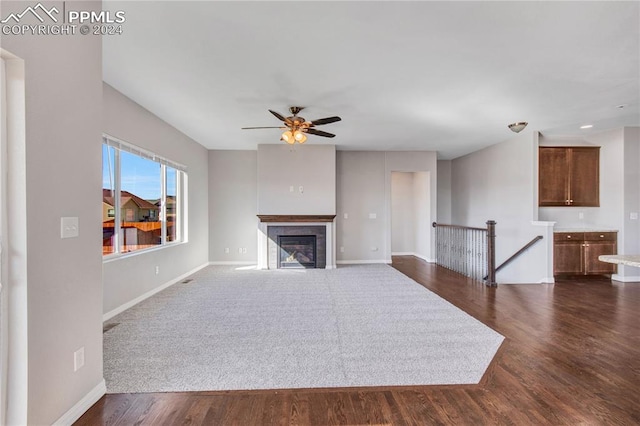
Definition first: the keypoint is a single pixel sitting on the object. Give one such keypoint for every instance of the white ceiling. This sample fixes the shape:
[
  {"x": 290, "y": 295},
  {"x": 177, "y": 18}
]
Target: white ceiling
[{"x": 443, "y": 76}]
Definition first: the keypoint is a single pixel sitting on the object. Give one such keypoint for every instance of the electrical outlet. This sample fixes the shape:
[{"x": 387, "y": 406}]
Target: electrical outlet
[
  {"x": 341, "y": 249},
  {"x": 78, "y": 359},
  {"x": 374, "y": 248},
  {"x": 581, "y": 215},
  {"x": 301, "y": 189},
  {"x": 346, "y": 215},
  {"x": 291, "y": 188},
  {"x": 633, "y": 215},
  {"x": 226, "y": 250},
  {"x": 244, "y": 250},
  {"x": 157, "y": 270},
  {"x": 372, "y": 216},
  {"x": 239, "y": 250}
]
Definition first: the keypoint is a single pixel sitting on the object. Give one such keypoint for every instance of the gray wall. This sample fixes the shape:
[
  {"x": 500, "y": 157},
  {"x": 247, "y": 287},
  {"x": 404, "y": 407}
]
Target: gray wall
[
  {"x": 364, "y": 188},
  {"x": 63, "y": 166},
  {"x": 283, "y": 167},
  {"x": 609, "y": 214},
  {"x": 498, "y": 183},
  {"x": 631, "y": 227},
  {"x": 403, "y": 217},
  {"x": 131, "y": 276},
  {"x": 233, "y": 223},
  {"x": 444, "y": 191}
]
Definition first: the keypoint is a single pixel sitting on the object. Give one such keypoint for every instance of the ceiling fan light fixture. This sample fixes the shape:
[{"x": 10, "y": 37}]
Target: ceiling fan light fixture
[
  {"x": 300, "y": 137},
  {"x": 288, "y": 137},
  {"x": 518, "y": 127}
]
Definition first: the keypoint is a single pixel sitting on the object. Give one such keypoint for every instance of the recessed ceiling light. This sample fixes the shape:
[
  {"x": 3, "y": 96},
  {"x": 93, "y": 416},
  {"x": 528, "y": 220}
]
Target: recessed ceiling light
[{"x": 586, "y": 126}]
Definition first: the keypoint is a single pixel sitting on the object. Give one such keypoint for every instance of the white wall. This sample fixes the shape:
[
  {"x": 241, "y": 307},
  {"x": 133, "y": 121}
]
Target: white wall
[
  {"x": 310, "y": 167},
  {"x": 498, "y": 183},
  {"x": 63, "y": 175},
  {"x": 233, "y": 191},
  {"x": 129, "y": 277}
]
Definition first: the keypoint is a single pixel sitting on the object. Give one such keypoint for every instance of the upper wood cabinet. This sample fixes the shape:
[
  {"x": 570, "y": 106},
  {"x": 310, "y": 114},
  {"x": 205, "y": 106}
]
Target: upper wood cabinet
[{"x": 569, "y": 176}]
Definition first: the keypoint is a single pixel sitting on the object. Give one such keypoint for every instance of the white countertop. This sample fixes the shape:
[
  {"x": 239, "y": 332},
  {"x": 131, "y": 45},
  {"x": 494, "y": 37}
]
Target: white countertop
[
  {"x": 621, "y": 259},
  {"x": 593, "y": 229}
]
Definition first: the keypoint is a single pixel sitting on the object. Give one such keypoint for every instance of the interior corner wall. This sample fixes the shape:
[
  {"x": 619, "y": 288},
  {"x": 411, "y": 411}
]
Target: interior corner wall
[
  {"x": 403, "y": 218},
  {"x": 63, "y": 90},
  {"x": 422, "y": 214},
  {"x": 130, "y": 277},
  {"x": 444, "y": 192},
  {"x": 233, "y": 223},
  {"x": 363, "y": 182},
  {"x": 631, "y": 227},
  {"x": 497, "y": 183},
  {"x": 360, "y": 181}
]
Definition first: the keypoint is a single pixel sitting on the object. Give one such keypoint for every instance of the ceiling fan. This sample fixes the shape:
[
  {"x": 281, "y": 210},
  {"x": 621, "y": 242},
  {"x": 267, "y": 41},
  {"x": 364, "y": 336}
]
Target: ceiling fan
[{"x": 297, "y": 127}]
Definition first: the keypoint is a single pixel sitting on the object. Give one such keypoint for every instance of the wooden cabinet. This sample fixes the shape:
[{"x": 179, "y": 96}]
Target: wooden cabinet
[
  {"x": 576, "y": 253},
  {"x": 569, "y": 176}
]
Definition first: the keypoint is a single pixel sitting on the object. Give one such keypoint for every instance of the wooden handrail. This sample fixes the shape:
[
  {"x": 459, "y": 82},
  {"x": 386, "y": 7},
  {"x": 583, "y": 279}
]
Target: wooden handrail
[
  {"x": 434, "y": 224},
  {"x": 519, "y": 252}
]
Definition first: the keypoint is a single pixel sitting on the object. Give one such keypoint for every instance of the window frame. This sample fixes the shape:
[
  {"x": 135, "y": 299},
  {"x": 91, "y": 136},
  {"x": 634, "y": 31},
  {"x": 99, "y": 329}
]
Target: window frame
[{"x": 180, "y": 223}]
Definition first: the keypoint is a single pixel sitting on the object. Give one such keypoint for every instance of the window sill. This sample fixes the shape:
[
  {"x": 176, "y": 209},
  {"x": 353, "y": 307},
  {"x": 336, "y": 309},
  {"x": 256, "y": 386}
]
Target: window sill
[{"x": 118, "y": 256}]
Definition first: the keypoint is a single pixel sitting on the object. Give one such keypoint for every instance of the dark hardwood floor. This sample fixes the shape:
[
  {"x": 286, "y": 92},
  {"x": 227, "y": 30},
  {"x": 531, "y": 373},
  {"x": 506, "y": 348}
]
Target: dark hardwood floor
[{"x": 571, "y": 356}]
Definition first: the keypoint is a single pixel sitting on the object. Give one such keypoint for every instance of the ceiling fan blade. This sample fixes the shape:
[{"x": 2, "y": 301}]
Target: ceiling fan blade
[
  {"x": 320, "y": 133},
  {"x": 249, "y": 128},
  {"x": 280, "y": 117},
  {"x": 327, "y": 120}
]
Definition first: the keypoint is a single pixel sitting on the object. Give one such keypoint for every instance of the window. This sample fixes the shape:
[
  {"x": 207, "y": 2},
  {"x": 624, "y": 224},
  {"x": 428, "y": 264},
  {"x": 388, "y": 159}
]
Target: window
[{"x": 141, "y": 197}]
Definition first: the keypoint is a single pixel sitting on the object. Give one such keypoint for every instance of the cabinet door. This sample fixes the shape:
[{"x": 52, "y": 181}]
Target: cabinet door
[
  {"x": 584, "y": 171},
  {"x": 553, "y": 177},
  {"x": 567, "y": 259},
  {"x": 591, "y": 252}
]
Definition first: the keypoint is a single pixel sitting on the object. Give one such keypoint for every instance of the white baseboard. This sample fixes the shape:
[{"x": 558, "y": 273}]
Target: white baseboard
[
  {"x": 625, "y": 279},
  {"x": 547, "y": 280},
  {"x": 82, "y": 406},
  {"x": 360, "y": 262},
  {"x": 125, "y": 306},
  {"x": 233, "y": 263},
  {"x": 419, "y": 256}
]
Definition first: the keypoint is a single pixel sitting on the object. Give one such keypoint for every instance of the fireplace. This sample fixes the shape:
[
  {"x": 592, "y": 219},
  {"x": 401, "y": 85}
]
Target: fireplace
[
  {"x": 297, "y": 251},
  {"x": 272, "y": 228}
]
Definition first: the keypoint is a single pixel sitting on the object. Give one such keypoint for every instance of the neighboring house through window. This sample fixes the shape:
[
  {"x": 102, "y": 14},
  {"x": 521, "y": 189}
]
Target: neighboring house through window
[{"x": 141, "y": 198}]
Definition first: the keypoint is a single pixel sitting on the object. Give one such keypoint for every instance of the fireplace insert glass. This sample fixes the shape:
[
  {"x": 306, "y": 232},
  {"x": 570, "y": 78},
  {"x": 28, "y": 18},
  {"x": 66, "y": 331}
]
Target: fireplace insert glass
[{"x": 297, "y": 251}]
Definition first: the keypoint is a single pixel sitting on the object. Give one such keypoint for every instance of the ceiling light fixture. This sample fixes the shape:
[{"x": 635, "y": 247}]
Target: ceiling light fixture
[
  {"x": 586, "y": 126},
  {"x": 288, "y": 137},
  {"x": 518, "y": 127}
]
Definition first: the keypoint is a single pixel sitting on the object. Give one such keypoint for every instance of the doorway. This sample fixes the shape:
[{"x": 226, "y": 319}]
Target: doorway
[{"x": 410, "y": 214}]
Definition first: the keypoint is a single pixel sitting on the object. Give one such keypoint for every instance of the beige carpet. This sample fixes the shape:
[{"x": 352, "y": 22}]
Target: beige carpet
[{"x": 245, "y": 329}]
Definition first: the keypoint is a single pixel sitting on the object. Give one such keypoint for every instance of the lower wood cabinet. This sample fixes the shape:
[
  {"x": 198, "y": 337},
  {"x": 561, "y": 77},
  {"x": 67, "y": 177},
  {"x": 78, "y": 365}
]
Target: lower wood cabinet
[{"x": 576, "y": 253}]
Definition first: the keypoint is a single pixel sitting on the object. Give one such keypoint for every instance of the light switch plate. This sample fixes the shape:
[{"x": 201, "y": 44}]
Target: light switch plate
[
  {"x": 69, "y": 227},
  {"x": 372, "y": 215},
  {"x": 633, "y": 215}
]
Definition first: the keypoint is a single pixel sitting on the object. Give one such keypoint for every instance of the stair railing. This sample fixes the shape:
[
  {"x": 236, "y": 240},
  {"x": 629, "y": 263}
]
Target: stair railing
[{"x": 467, "y": 250}]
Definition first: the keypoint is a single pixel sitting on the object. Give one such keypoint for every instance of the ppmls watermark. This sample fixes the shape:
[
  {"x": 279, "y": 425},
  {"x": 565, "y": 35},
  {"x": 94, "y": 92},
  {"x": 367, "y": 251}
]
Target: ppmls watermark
[{"x": 40, "y": 20}]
